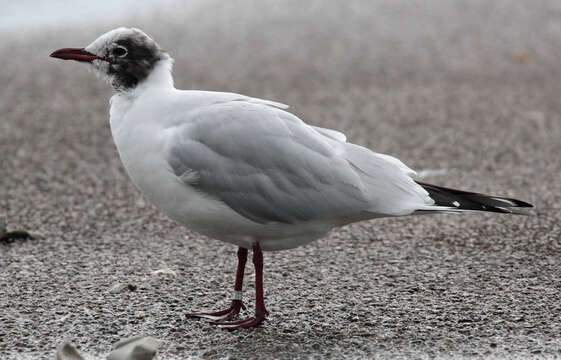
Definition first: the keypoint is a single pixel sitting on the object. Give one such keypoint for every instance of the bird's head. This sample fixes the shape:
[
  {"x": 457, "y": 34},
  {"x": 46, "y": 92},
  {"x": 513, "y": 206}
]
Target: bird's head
[{"x": 124, "y": 56}]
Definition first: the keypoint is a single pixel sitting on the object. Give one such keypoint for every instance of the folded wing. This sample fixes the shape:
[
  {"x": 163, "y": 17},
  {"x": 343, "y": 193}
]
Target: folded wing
[{"x": 269, "y": 166}]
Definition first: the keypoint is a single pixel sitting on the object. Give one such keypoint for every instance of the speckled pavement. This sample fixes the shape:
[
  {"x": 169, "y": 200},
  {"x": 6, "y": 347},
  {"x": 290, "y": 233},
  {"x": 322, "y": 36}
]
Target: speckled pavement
[{"x": 470, "y": 91}]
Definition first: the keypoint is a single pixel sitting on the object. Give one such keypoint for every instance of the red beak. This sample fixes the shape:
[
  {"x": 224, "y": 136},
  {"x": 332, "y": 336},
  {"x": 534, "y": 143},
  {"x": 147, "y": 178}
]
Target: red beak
[{"x": 75, "y": 54}]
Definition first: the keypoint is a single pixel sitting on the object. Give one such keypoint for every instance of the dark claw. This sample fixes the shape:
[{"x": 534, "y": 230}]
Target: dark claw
[
  {"x": 241, "y": 324},
  {"x": 222, "y": 315}
]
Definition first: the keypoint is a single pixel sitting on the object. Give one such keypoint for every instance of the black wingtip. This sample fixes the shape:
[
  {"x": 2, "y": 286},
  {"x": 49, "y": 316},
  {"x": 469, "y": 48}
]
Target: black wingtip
[
  {"x": 464, "y": 200},
  {"x": 520, "y": 203}
]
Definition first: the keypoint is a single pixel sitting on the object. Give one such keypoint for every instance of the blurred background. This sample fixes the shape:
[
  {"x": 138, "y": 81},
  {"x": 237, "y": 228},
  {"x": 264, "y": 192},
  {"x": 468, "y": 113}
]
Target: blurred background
[{"x": 467, "y": 92}]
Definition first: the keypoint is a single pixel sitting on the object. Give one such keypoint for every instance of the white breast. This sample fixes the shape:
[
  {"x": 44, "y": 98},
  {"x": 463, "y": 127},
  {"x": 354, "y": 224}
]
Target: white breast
[
  {"x": 141, "y": 141},
  {"x": 141, "y": 134}
]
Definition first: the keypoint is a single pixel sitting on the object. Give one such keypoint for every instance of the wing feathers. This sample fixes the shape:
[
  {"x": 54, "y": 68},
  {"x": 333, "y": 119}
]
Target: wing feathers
[
  {"x": 458, "y": 200},
  {"x": 266, "y": 164},
  {"x": 269, "y": 166}
]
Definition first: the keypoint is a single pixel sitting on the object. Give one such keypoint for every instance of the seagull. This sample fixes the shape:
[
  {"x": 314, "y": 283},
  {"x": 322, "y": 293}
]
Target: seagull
[{"x": 246, "y": 171}]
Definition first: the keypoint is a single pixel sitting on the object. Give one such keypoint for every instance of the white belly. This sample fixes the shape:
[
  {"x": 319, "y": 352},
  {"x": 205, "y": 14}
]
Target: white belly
[
  {"x": 151, "y": 174},
  {"x": 142, "y": 147}
]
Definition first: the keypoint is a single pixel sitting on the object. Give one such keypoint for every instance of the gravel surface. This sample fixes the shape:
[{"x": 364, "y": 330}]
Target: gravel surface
[{"x": 470, "y": 90}]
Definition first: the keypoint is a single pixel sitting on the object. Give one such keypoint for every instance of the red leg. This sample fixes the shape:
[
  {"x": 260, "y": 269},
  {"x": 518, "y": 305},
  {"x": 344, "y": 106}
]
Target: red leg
[
  {"x": 260, "y": 310},
  {"x": 237, "y": 304}
]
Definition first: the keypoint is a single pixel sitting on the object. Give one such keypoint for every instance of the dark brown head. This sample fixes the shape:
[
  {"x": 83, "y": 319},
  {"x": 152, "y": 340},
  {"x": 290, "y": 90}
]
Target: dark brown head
[{"x": 126, "y": 56}]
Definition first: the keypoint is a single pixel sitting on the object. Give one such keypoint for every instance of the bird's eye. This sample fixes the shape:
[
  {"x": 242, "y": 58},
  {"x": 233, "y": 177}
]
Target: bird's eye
[{"x": 120, "y": 51}]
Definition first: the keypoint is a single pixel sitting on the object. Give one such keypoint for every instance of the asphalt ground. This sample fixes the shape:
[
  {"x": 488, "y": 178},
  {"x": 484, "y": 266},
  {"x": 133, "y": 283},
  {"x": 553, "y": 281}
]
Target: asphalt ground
[{"x": 469, "y": 91}]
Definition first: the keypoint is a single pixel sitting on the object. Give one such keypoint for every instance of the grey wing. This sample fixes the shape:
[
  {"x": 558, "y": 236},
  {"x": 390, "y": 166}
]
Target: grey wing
[{"x": 266, "y": 164}]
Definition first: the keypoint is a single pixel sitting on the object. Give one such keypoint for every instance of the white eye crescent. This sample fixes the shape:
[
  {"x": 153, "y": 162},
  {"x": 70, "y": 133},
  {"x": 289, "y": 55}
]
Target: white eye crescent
[{"x": 120, "y": 51}]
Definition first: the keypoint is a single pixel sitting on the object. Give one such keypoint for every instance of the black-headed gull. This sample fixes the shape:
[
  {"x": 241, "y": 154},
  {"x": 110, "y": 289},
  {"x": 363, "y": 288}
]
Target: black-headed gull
[{"x": 244, "y": 170}]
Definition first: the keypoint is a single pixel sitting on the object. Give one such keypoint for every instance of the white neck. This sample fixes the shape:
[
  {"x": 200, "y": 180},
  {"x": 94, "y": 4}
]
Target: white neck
[{"x": 160, "y": 77}]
